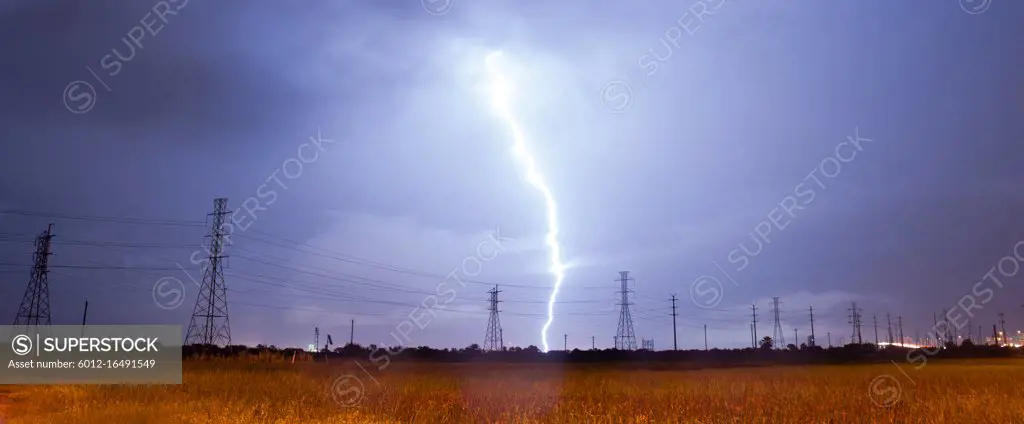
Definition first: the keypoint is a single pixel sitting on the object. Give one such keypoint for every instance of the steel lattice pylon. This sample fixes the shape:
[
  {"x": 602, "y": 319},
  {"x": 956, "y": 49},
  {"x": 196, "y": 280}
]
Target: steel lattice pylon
[
  {"x": 35, "y": 304},
  {"x": 778, "y": 337},
  {"x": 624, "y": 337},
  {"x": 855, "y": 319},
  {"x": 493, "y": 339},
  {"x": 210, "y": 325}
]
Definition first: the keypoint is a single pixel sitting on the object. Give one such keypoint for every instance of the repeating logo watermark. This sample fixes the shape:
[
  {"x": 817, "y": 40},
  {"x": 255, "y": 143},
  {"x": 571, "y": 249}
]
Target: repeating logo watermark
[
  {"x": 706, "y": 292},
  {"x": 617, "y": 95},
  {"x": 168, "y": 293},
  {"x": 438, "y": 7},
  {"x": 79, "y": 96},
  {"x": 885, "y": 391},
  {"x": 347, "y": 390},
  {"x": 975, "y": 7}
]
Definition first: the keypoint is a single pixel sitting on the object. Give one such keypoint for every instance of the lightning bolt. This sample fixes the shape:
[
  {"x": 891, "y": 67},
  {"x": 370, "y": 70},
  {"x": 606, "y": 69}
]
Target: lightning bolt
[{"x": 501, "y": 96}]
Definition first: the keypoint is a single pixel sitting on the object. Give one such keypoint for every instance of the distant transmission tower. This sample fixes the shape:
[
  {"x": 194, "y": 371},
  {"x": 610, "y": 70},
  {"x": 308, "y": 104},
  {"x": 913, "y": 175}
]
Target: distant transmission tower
[
  {"x": 888, "y": 320},
  {"x": 493, "y": 341},
  {"x": 778, "y": 336},
  {"x": 1002, "y": 325},
  {"x": 753, "y": 326},
  {"x": 624, "y": 337},
  {"x": 210, "y": 325},
  {"x": 811, "y": 341},
  {"x": 855, "y": 320},
  {"x": 35, "y": 305},
  {"x": 875, "y": 319}
]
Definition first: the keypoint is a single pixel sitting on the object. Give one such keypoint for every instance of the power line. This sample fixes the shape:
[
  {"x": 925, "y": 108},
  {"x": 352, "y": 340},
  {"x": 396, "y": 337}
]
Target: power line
[{"x": 107, "y": 219}]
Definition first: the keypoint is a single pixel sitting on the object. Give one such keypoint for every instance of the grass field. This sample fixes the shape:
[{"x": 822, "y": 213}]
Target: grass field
[{"x": 979, "y": 391}]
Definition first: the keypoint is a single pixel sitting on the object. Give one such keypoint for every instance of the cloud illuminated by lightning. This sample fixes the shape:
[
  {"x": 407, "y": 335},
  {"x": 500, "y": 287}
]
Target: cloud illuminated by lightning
[{"x": 501, "y": 91}]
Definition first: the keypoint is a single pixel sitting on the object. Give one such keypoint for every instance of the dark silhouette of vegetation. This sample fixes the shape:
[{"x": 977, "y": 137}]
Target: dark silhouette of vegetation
[{"x": 766, "y": 354}]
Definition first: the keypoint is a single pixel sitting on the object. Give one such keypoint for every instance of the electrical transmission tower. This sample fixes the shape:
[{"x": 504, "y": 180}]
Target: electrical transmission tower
[
  {"x": 778, "y": 337},
  {"x": 648, "y": 344},
  {"x": 753, "y": 326},
  {"x": 1002, "y": 326},
  {"x": 675, "y": 341},
  {"x": 904, "y": 341},
  {"x": 874, "y": 318},
  {"x": 888, "y": 319},
  {"x": 210, "y": 325},
  {"x": 493, "y": 341},
  {"x": 624, "y": 337},
  {"x": 855, "y": 320},
  {"x": 35, "y": 305}
]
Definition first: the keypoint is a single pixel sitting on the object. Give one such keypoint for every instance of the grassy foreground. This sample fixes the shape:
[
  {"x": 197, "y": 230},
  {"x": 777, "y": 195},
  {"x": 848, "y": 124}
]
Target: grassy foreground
[{"x": 236, "y": 392}]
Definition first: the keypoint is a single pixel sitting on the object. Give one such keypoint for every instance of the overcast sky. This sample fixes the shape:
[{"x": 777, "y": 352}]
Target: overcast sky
[{"x": 725, "y": 151}]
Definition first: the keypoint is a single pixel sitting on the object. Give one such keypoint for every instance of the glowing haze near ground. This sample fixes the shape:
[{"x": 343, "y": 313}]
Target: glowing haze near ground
[{"x": 501, "y": 90}]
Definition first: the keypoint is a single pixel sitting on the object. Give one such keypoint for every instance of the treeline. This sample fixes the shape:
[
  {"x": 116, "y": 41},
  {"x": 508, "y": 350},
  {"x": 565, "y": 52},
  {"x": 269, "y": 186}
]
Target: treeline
[{"x": 473, "y": 353}]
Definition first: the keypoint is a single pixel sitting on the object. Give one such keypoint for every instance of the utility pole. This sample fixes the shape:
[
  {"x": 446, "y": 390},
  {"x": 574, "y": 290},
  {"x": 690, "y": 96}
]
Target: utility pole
[
  {"x": 902, "y": 340},
  {"x": 950, "y": 335},
  {"x": 830, "y": 340},
  {"x": 210, "y": 324},
  {"x": 675, "y": 343},
  {"x": 565, "y": 346},
  {"x": 85, "y": 312},
  {"x": 889, "y": 319},
  {"x": 1002, "y": 326},
  {"x": 35, "y": 304},
  {"x": 705, "y": 337},
  {"x": 796, "y": 337},
  {"x": 753, "y": 324},
  {"x": 492, "y": 337},
  {"x": 626, "y": 339},
  {"x": 352, "y": 334},
  {"x": 316, "y": 338},
  {"x": 593, "y": 343},
  {"x": 813, "y": 342},
  {"x": 875, "y": 319},
  {"x": 752, "y": 343}
]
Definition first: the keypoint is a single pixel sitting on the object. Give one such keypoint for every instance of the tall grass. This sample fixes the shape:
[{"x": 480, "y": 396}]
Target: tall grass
[{"x": 264, "y": 392}]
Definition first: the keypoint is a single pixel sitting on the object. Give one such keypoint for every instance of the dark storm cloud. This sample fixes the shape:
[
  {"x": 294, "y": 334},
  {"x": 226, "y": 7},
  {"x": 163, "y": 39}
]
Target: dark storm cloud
[{"x": 736, "y": 115}]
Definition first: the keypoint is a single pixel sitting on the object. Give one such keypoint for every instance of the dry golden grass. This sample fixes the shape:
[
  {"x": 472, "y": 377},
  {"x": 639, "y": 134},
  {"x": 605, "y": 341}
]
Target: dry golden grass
[{"x": 235, "y": 392}]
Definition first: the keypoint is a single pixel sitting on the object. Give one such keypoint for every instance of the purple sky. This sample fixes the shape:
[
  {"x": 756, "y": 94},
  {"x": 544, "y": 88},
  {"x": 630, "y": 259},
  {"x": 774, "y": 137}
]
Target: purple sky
[{"x": 736, "y": 114}]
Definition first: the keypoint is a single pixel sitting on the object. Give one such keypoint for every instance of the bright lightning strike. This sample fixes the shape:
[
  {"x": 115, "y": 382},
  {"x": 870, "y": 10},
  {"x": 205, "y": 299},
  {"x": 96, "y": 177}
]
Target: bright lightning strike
[{"x": 501, "y": 96}]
